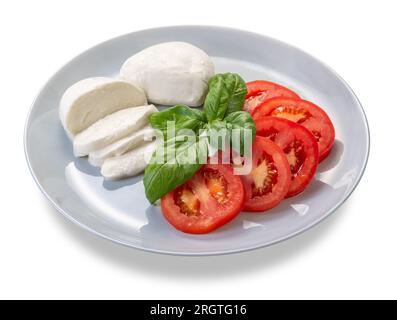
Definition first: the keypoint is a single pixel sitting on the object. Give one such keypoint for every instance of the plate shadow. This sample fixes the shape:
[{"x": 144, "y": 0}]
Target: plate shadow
[{"x": 197, "y": 267}]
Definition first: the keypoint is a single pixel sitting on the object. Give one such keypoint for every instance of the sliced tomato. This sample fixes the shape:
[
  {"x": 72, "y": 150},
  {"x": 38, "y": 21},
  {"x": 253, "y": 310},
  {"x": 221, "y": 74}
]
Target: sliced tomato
[
  {"x": 305, "y": 113},
  {"x": 213, "y": 197},
  {"x": 270, "y": 177},
  {"x": 299, "y": 146},
  {"x": 260, "y": 90}
]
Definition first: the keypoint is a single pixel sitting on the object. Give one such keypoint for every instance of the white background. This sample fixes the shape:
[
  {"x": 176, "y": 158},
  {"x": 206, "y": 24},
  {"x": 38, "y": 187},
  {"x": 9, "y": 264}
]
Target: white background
[{"x": 353, "y": 254}]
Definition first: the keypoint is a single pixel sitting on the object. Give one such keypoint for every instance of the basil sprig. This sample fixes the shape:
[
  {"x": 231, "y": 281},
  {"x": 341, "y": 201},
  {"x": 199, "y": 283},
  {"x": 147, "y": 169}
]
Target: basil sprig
[{"x": 222, "y": 110}]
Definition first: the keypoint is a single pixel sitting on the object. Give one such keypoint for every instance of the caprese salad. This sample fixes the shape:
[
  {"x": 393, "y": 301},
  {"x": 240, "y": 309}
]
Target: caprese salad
[{"x": 201, "y": 182}]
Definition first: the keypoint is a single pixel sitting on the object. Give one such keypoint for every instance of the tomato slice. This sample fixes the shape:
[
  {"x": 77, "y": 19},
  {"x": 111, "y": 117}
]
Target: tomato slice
[
  {"x": 305, "y": 113},
  {"x": 213, "y": 197},
  {"x": 270, "y": 177},
  {"x": 260, "y": 90},
  {"x": 298, "y": 144}
]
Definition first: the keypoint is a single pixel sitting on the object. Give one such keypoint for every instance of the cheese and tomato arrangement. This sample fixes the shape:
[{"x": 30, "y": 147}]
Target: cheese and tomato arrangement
[{"x": 116, "y": 123}]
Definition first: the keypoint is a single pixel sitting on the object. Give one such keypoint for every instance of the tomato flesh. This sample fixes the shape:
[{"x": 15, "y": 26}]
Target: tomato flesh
[
  {"x": 305, "y": 113},
  {"x": 260, "y": 90},
  {"x": 187, "y": 201},
  {"x": 213, "y": 197},
  {"x": 270, "y": 177},
  {"x": 299, "y": 146}
]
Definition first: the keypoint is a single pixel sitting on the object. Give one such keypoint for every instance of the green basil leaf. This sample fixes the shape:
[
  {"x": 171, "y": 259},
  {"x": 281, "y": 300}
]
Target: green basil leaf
[
  {"x": 183, "y": 117},
  {"x": 237, "y": 89},
  {"x": 179, "y": 161},
  {"x": 226, "y": 95},
  {"x": 242, "y": 123},
  {"x": 238, "y": 125},
  {"x": 216, "y": 102}
]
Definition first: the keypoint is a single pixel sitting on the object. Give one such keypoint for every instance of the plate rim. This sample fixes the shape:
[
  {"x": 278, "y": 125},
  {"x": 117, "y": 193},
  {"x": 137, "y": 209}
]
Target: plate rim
[{"x": 65, "y": 213}]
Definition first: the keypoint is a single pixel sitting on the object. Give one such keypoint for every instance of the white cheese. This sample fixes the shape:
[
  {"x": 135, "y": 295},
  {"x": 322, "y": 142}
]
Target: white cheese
[
  {"x": 96, "y": 158},
  {"x": 129, "y": 164},
  {"x": 111, "y": 128},
  {"x": 171, "y": 73},
  {"x": 91, "y": 99}
]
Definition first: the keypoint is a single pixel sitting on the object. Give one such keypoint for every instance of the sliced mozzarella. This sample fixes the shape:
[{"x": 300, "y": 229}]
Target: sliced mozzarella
[
  {"x": 111, "y": 128},
  {"x": 171, "y": 73},
  {"x": 129, "y": 164},
  {"x": 96, "y": 158},
  {"x": 91, "y": 99}
]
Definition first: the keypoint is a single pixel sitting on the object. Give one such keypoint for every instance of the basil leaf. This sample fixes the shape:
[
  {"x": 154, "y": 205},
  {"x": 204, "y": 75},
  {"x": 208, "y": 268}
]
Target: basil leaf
[
  {"x": 243, "y": 122},
  {"x": 218, "y": 135},
  {"x": 183, "y": 117},
  {"x": 181, "y": 160},
  {"x": 216, "y": 102},
  {"x": 237, "y": 89},
  {"x": 226, "y": 95},
  {"x": 238, "y": 125}
]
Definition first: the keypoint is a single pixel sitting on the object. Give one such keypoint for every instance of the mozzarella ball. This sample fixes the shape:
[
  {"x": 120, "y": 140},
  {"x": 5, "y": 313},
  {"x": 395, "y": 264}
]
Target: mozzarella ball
[{"x": 171, "y": 73}]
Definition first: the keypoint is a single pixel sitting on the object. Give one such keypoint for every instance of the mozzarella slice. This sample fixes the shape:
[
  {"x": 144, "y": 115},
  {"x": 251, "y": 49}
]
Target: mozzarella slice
[
  {"x": 91, "y": 99},
  {"x": 171, "y": 73},
  {"x": 111, "y": 128},
  {"x": 129, "y": 164},
  {"x": 96, "y": 158}
]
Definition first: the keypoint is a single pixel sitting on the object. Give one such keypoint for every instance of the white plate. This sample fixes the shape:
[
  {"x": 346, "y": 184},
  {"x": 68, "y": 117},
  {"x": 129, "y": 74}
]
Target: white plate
[{"x": 120, "y": 212}]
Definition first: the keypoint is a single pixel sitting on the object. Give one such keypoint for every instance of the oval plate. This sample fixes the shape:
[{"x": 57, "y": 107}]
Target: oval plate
[{"x": 119, "y": 211}]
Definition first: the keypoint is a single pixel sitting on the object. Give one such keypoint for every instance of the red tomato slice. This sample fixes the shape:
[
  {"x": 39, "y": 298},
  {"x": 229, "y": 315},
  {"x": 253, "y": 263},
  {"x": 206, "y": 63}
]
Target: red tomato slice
[
  {"x": 298, "y": 144},
  {"x": 213, "y": 197},
  {"x": 270, "y": 178},
  {"x": 261, "y": 90},
  {"x": 305, "y": 113}
]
